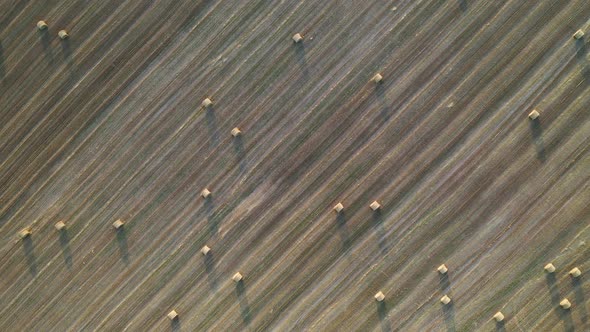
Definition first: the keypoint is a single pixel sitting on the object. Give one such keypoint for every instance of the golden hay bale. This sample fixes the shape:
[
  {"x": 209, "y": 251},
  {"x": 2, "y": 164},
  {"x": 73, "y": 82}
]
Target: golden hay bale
[
  {"x": 377, "y": 78},
  {"x": 549, "y": 268},
  {"x": 172, "y": 315},
  {"x": 60, "y": 225},
  {"x": 205, "y": 193},
  {"x": 205, "y": 250},
  {"x": 565, "y": 304},
  {"x": 499, "y": 316},
  {"x": 379, "y": 296},
  {"x": 63, "y": 34},
  {"x": 237, "y": 277},
  {"x": 41, "y": 25},
  {"x": 375, "y": 206},
  {"x": 118, "y": 224}
]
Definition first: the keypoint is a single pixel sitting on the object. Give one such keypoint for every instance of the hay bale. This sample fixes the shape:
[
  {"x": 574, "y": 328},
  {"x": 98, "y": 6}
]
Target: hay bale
[
  {"x": 297, "y": 38},
  {"x": 60, "y": 225},
  {"x": 377, "y": 78},
  {"x": 25, "y": 232},
  {"x": 379, "y": 296},
  {"x": 41, "y": 25},
  {"x": 172, "y": 315},
  {"x": 205, "y": 250},
  {"x": 207, "y": 103},
  {"x": 442, "y": 269},
  {"x": 375, "y": 206},
  {"x": 565, "y": 304},
  {"x": 63, "y": 34},
  {"x": 499, "y": 316},
  {"x": 445, "y": 300},
  {"x": 579, "y": 34},
  {"x": 534, "y": 115},
  {"x": 549, "y": 268},
  {"x": 205, "y": 193},
  {"x": 237, "y": 277},
  {"x": 575, "y": 272},
  {"x": 118, "y": 224},
  {"x": 338, "y": 208},
  {"x": 236, "y": 132}
]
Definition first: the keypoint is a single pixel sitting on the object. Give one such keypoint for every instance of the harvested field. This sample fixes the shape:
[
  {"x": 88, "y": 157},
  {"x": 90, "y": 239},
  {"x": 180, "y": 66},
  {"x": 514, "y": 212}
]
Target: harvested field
[{"x": 109, "y": 124}]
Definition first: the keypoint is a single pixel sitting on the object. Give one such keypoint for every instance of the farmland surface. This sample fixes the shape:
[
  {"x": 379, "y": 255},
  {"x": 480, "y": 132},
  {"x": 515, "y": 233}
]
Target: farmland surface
[{"x": 109, "y": 125}]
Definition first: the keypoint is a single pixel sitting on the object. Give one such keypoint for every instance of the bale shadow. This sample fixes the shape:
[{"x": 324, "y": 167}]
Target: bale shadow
[
  {"x": 45, "y": 39},
  {"x": 210, "y": 269},
  {"x": 551, "y": 281},
  {"x": 2, "y": 60},
  {"x": 30, "y": 255},
  {"x": 537, "y": 133},
  {"x": 240, "y": 152},
  {"x": 581, "y": 52},
  {"x": 383, "y": 104},
  {"x": 175, "y": 324},
  {"x": 384, "y": 322},
  {"x": 463, "y": 5},
  {"x": 209, "y": 207},
  {"x": 449, "y": 315},
  {"x": 123, "y": 248},
  {"x": 501, "y": 326},
  {"x": 379, "y": 230},
  {"x": 301, "y": 60},
  {"x": 580, "y": 300},
  {"x": 581, "y": 49},
  {"x": 344, "y": 234},
  {"x": 64, "y": 241},
  {"x": 563, "y": 314},
  {"x": 244, "y": 305},
  {"x": 566, "y": 316},
  {"x": 444, "y": 282},
  {"x": 66, "y": 48},
  {"x": 211, "y": 120}
]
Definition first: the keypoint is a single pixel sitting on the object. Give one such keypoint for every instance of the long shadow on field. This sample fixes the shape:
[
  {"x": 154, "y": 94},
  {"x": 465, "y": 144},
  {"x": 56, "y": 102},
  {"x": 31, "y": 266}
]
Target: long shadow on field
[
  {"x": 123, "y": 248},
  {"x": 64, "y": 241},
  {"x": 30, "y": 255},
  {"x": 2, "y": 67},
  {"x": 500, "y": 326},
  {"x": 66, "y": 48},
  {"x": 537, "y": 133},
  {"x": 444, "y": 282},
  {"x": 581, "y": 49},
  {"x": 380, "y": 230},
  {"x": 463, "y": 5},
  {"x": 384, "y": 322},
  {"x": 449, "y": 313},
  {"x": 383, "y": 104},
  {"x": 45, "y": 39},
  {"x": 175, "y": 325},
  {"x": 301, "y": 61},
  {"x": 344, "y": 235},
  {"x": 564, "y": 315},
  {"x": 244, "y": 305},
  {"x": 580, "y": 300},
  {"x": 581, "y": 52},
  {"x": 209, "y": 207},
  {"x": 210, "y": 268},
  {"x": 211, "y": 120},
  {"x": 240, "y": 152}
]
